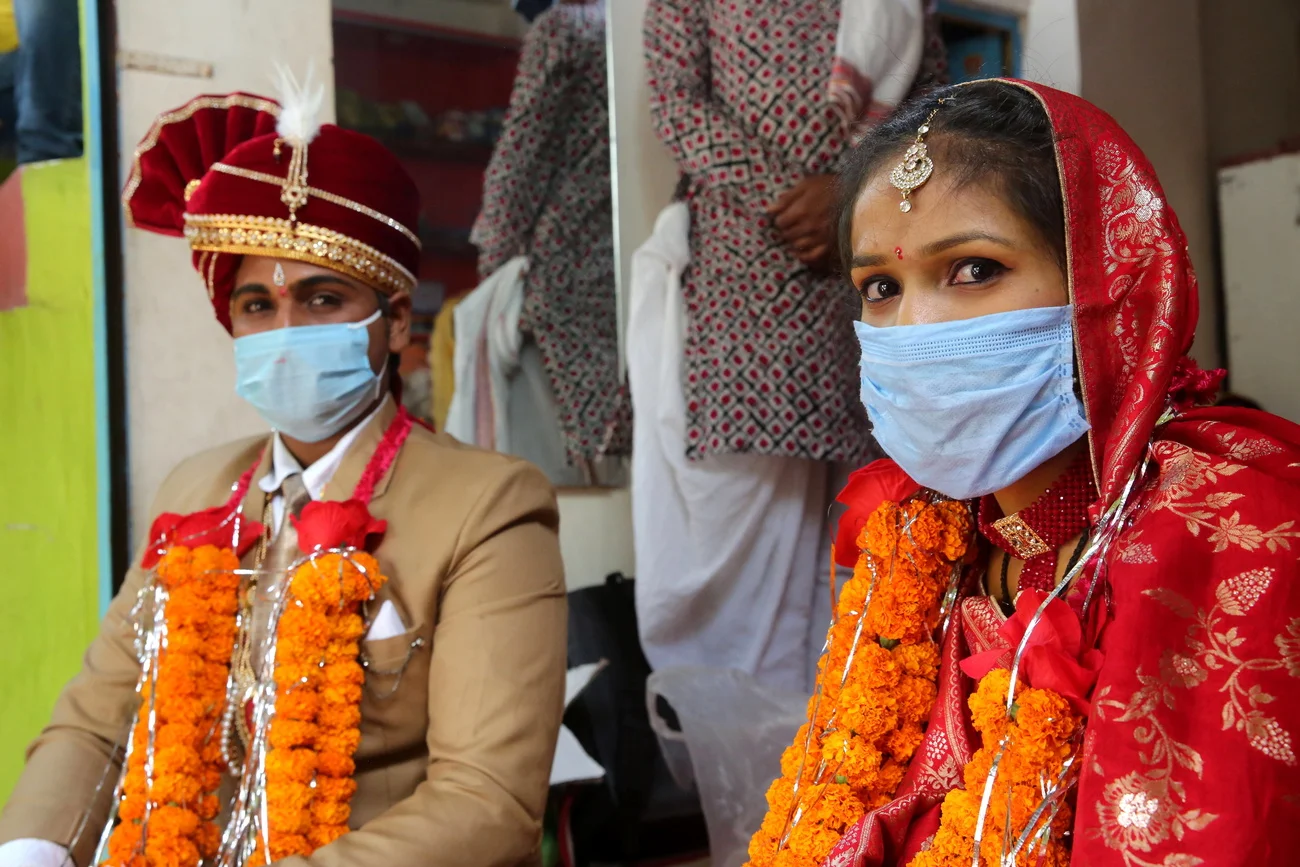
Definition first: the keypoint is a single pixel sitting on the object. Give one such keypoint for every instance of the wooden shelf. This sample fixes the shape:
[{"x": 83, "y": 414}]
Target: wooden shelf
[
  {"x": 440, "y": 150},
  {"x": 448, "y": 245}
]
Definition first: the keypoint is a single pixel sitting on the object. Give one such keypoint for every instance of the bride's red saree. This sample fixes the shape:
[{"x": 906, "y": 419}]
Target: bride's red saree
[{"x": 1191, "y": 749}]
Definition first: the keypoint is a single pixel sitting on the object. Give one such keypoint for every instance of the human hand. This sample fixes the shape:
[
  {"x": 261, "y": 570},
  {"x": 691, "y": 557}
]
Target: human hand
[{"x": 802, "y": 217}]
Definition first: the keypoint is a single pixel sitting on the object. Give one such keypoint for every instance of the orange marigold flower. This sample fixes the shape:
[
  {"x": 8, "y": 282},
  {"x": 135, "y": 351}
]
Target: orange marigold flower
[
  {"x": 325, "y": 812},
  {"x": 297, "y": 703},
  {"x": 288, "y": 845},
  {"x": 988, "y": 704},
  {"x": 332, "y": 764},
  {"x": 343, "y": 673},
  {"x": 337, "y": 717},
  {"x": 285, "y": 822},
  {"x": 341, "y": 651},
  {"x": 374, "y": 579},
  {"x": 916, "y": 697},
  {"x": 286, "y": 733},
  {"x": 348, "y": 693},
  {"x": 172, "y": 821},
  {"x": 131, "y": 809},
  {"x": 292, "y": 766},
  {"x": 853, "y": 595},
  {"x": 308, "y": 630},
  {"x": 178, "y": 735},
  {"x": 289, "y": 798},
  {"x": 904, "y": 742},
  {"x": 780, "y": 798},
  {"x": 918, "y": 660},
  {"x": 295, "y": 675},
  {"x": 167, "y": 851},
  {"x": 209, "y": 807},
  {"x": 210, "y": 779},
  {"x": 208, "y": 838},
  {"x": 349, "y": 627},
  {"x": 175, "y": 788},
  {"x": 880, "y": 535},
  {"x": 875, "y": 666},
  {"x": 182, "y": 709},
  {"x": 337, "y": 790},
  {"x": 859, "y": 763}
]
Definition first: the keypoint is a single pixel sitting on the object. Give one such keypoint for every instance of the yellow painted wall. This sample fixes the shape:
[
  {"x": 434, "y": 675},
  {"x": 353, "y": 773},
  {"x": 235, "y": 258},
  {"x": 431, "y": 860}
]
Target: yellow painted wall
[
  {"x": 49, "y": 572},
  {"x": 48, "y": 556}
]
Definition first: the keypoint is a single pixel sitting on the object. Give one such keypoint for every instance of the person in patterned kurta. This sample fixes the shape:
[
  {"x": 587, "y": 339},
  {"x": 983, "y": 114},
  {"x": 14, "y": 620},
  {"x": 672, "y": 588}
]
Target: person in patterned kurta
[
  {"x": 546, "y": 196},
  {"x": 741, "y": 93}
]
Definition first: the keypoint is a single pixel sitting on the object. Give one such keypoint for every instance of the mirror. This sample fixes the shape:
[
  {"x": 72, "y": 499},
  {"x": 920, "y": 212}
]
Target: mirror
[{"x": 500, "y": 112}]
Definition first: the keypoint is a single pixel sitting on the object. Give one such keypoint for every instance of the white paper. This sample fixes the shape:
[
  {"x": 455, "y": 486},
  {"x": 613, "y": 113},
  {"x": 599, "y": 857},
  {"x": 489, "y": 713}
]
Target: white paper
[
  {"x": 387, "y": 623},
  {"x": 572, "y": 764}
]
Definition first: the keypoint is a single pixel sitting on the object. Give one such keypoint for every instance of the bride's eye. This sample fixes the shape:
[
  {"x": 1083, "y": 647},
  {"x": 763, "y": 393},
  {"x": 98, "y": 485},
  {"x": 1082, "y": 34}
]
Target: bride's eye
[
  {"x": 877, "y": 289},
  {"x": 975, "y": 271}
]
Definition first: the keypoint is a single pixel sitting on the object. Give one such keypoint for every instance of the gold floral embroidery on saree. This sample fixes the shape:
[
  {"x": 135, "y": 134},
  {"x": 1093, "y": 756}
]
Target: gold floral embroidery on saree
[
  {"x": 1184, "y": 471},
  {"x": 1141, "y": 810}
]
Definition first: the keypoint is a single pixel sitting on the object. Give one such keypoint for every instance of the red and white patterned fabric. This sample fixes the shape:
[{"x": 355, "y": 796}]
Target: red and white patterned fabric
[
  {"x": 740, "y": 94},
  {"x": 546, "y": 196},
  {"x": 1190, "y": 754}
]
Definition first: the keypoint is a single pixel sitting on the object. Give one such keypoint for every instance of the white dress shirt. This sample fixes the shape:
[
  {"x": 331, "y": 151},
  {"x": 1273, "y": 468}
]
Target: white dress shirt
[{"x": 314, "y": 478}]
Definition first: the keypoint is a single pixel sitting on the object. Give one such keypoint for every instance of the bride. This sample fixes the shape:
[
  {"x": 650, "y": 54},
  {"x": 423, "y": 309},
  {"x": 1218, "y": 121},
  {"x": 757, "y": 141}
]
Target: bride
[{"x": 1132, "y": 559}]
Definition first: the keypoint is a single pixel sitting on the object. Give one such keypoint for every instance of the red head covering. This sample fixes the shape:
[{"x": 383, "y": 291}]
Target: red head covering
[
  {"x": 1190, "y": 755},
  {"x": 217, "y": 171}
]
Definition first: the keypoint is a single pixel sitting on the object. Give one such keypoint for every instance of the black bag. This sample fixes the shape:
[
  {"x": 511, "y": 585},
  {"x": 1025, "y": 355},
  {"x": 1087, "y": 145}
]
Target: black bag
[{"x": 638, "y": 812}]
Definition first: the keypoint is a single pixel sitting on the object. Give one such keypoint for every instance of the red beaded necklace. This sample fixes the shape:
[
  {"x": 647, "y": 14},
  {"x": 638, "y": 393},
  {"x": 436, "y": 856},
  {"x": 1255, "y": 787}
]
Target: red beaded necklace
[{"x": 1035, "y": 533}]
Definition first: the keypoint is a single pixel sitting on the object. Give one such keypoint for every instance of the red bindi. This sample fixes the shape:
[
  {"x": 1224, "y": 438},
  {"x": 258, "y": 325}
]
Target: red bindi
[
  {"x": 284, "y": 291},
  {"x": 898, "y": 251}
]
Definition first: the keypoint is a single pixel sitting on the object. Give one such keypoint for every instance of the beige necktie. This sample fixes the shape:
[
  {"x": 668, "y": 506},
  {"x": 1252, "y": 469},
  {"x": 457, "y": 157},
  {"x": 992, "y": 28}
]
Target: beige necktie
[{"x": 280, "y": 555}]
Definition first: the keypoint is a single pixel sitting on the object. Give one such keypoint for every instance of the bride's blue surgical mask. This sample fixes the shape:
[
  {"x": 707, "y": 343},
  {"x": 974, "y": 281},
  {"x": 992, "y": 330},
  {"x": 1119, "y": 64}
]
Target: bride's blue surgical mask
[
  {"x": 309, "y": 382},
  {"x": 971, "y": 406}
]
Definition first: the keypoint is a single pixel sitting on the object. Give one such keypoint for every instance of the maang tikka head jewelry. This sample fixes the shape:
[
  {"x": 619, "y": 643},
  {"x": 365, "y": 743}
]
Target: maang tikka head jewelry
[{"x": 916, "y": 167}]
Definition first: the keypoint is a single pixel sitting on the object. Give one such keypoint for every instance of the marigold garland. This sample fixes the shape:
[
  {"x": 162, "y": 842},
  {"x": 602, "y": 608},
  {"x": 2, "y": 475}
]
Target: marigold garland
[
  {"x": 867, "y": 717},
  {"x": 316, "y": 726},
  {"x": 168, "y": 804},
  {"x": 187, "y": 697},
  {"x": 1034, "y": 740}
]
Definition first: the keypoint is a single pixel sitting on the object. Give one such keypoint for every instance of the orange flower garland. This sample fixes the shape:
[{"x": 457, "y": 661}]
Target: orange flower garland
[
  {"x": 316, "y": 727},
  {"x": 875, "y": 684},
  {"x": 1034, "y": 740},
  {"x": 186, "y": 697}
]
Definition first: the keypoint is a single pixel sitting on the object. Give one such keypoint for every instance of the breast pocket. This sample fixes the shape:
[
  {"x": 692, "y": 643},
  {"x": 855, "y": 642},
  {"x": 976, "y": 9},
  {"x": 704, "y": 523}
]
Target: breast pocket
[{"x": 395, "y": 699}]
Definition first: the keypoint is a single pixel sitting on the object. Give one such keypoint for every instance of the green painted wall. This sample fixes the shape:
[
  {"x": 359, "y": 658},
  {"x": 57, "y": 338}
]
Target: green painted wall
[{"x": 48, "y": 555}]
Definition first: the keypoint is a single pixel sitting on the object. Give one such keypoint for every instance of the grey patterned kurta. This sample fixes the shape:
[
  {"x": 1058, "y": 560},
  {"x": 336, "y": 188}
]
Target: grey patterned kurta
[
  {"x": 547, "y": 196},
  {"x": 739, "y": 94}
]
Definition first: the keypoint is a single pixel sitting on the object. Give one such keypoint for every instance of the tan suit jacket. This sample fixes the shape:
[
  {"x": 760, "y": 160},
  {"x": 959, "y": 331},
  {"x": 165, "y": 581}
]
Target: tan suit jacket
[{"x": 456, "y": 749}]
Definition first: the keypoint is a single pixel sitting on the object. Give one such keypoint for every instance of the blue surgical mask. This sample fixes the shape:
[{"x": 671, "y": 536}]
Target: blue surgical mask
[
  {"x": 308, "y": 382},
  {"x": 970, "y": 407}
]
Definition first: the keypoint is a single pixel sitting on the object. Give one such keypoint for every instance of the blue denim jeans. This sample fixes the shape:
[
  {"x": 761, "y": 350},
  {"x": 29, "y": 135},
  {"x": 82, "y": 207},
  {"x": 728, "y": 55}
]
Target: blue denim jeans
[
  {"x": 47, "y": 80},
  {"x": 8, "y": 109}
]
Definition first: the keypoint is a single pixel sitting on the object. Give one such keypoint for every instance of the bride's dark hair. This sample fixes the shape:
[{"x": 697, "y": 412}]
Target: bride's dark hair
[{"x": 988, "y": 132}]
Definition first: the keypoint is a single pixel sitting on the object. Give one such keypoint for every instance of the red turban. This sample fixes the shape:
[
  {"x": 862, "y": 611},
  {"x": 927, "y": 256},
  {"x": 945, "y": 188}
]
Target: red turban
[{"x": 217, "y": 172}]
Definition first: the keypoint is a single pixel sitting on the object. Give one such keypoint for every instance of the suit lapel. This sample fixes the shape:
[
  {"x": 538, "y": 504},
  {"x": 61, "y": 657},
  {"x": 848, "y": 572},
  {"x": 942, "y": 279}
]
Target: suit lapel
[{"x": 350, "y": 470}]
